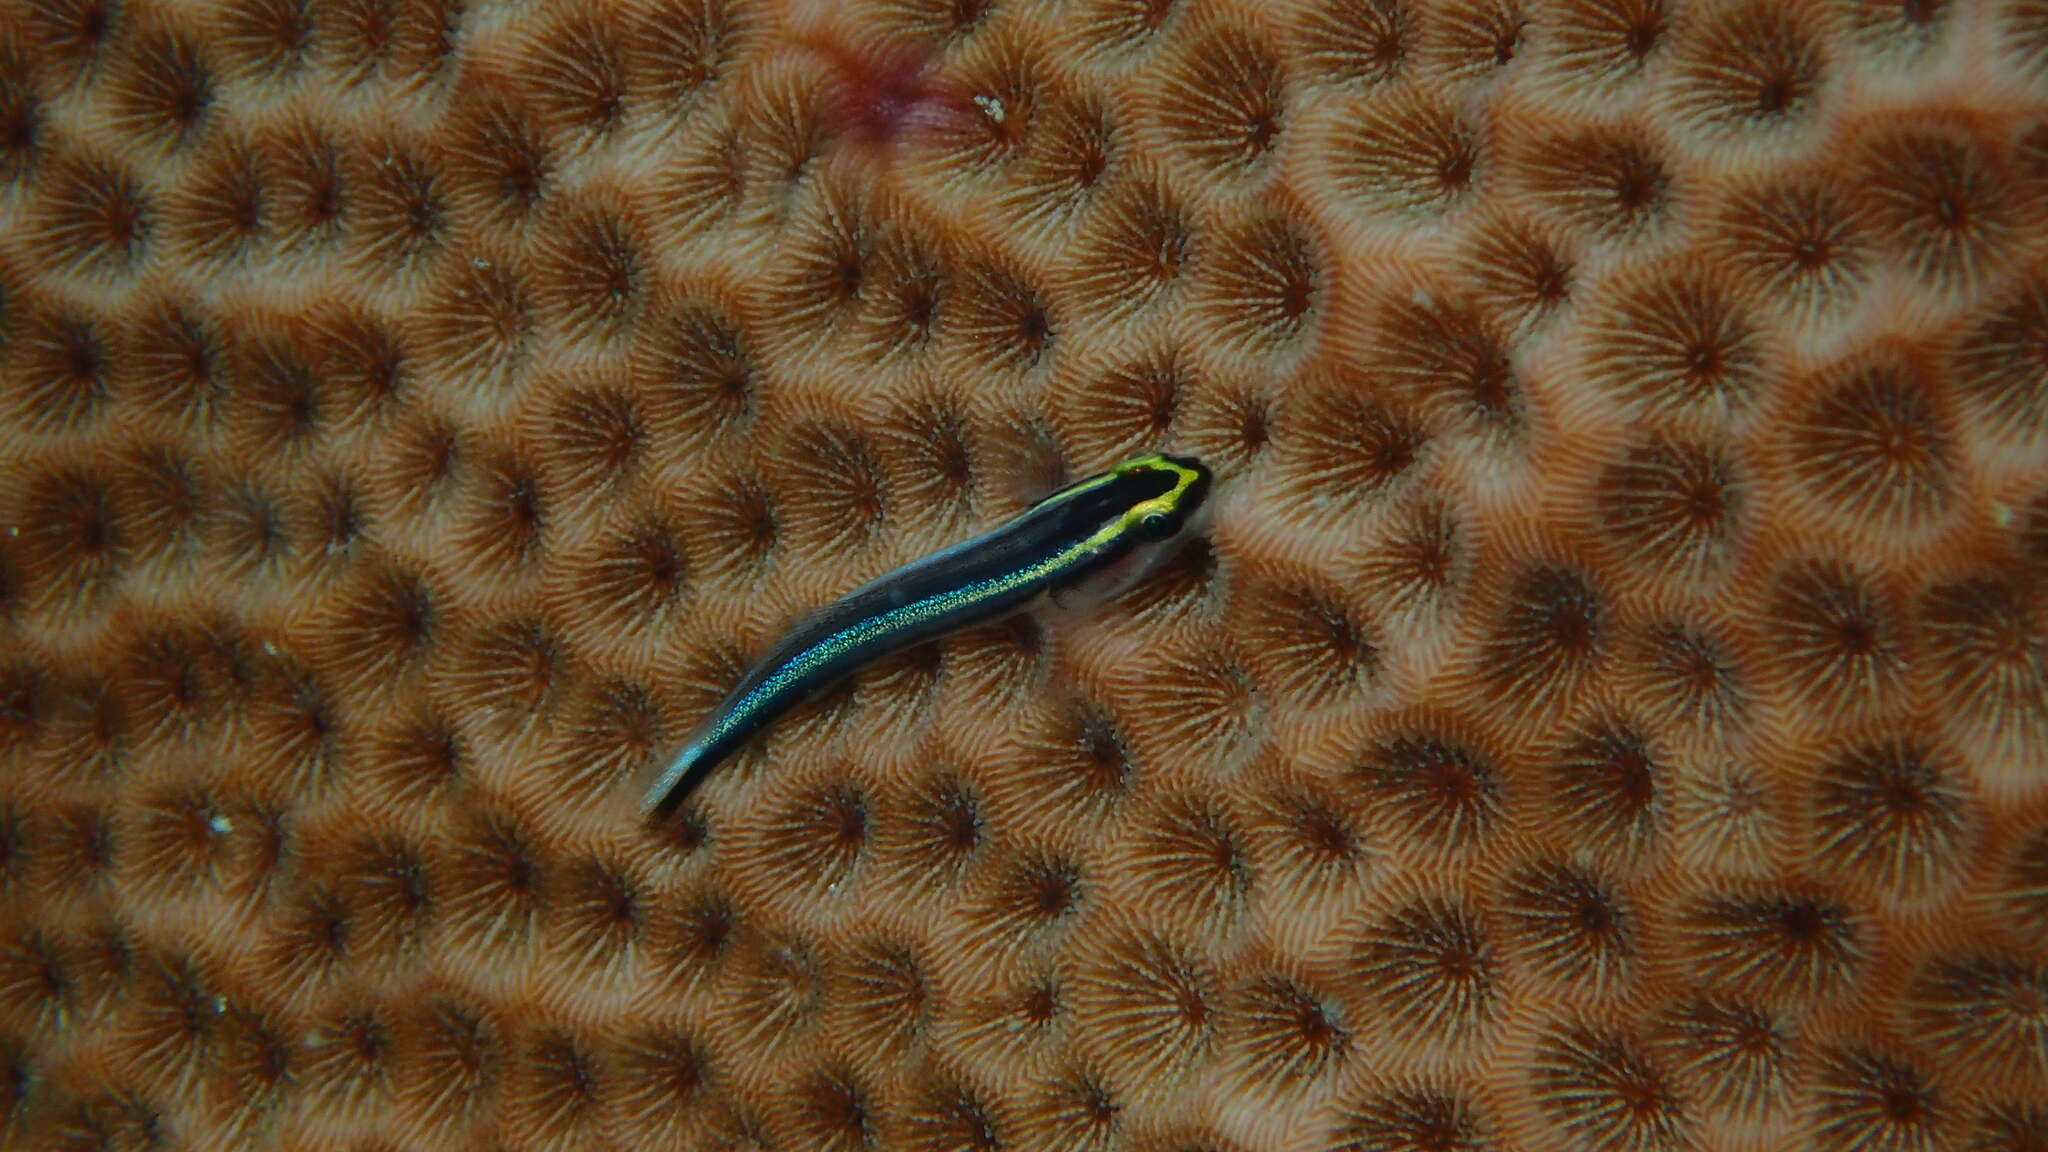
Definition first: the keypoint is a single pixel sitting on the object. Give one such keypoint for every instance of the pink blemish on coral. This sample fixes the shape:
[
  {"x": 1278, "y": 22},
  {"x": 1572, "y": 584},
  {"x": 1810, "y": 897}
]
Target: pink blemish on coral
[{"x": 879, "y": 98}]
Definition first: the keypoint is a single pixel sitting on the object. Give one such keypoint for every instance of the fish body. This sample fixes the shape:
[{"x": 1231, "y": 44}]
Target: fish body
[{"x": 1106, "y": 529}]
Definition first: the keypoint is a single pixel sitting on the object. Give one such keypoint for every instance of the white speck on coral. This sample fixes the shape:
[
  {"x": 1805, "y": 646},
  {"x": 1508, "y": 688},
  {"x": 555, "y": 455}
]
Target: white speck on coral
[{"x": 992, "y": 107}]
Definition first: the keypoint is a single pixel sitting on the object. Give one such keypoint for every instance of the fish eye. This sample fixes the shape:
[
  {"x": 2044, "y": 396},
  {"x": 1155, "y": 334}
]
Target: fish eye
[{"x": 1155, "y": 526}]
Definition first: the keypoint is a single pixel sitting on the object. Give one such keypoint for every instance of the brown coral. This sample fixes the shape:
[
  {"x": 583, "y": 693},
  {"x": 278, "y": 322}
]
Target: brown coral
[{"x": 1606, "y": 708}]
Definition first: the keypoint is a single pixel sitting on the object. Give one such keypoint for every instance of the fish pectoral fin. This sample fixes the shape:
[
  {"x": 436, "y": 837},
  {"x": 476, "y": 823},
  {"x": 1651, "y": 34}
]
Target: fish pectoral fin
[
  {"x": 1074, "y": 598},
  {"x": 1087, "y": 595}
]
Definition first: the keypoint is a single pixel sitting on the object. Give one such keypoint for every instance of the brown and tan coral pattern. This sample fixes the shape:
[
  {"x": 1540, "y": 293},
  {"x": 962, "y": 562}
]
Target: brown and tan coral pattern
[{"x": 1609, "y": 713}]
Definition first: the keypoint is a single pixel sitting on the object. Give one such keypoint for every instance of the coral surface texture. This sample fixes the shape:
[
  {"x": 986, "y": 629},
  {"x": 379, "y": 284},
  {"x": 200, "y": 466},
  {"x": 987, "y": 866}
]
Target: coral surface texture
[{"x": 1607, "y": 710}]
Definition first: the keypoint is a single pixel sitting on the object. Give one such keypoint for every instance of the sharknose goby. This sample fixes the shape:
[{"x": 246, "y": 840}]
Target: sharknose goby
[{"x": 1093, "y": 538}]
